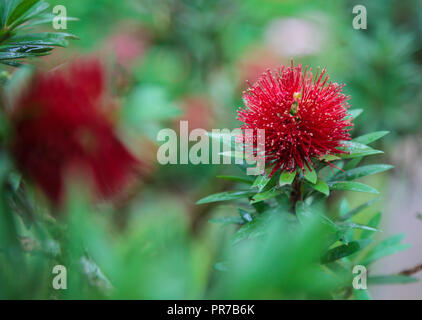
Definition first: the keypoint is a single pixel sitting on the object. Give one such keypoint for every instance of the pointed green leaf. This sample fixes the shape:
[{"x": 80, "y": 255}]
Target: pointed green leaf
[
  {"x": 360, "y": 172},
  {"x": 386, "y": 247},
  {"x": 354, "y": 113},
  {"x": 261, "y": 181},
  {"x": 265, "y": 195},
  {"x": 373, "y": 223},
  {"x": 286, "y": 178},
  {"x": 329, "y": 158},
  {"x": 353, "y": 225},
  {"x": 20, "y": 10},
  {"x": 321, "y": 186},
  {"x": 226, "y": 196},
  {"x": 310, "y": 175},
  {"x": 355, "y": 149},
  {"x": 352, "y": 186},
  {"x": 343, "y": 251},
  {"x": 370, "y": 137},
  {"x": 45, "y": 38}
]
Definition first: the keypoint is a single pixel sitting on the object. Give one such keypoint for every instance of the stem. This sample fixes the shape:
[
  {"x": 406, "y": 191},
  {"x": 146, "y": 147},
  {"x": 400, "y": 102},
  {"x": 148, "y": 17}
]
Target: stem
[
  {"x": 296, "y": 194},
  {"x": 408, "y": 272}
]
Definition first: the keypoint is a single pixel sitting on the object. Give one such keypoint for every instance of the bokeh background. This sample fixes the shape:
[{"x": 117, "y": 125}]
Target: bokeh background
[{"x": 173, "y": 60}]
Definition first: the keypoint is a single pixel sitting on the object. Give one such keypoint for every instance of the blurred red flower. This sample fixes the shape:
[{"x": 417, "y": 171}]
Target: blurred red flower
[
  {"x": 59, "y": 124},
  {"x": 304, "y": 117}
]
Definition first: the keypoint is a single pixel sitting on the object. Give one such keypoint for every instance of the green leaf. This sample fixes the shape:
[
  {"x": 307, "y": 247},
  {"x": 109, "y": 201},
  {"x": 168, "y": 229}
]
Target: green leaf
[
  {"x": 226, "y": 196},
  {"x": 265, "y": 195},
  {"x": 355, "y": 149},
  {"x": 25, "y": 49},
  {"x": 343, "y": 251},
  {"x": 6, "y": 6},
  {"x": 321, "y": 186},
  {"x": 352, "y": 186},
  {"x": 362, "y": 294},
  {"x": 246, "y": 216},
  {"x": 286, "y": 178},
  {"x": 344, "y": 207},
  {"x": 386, "y": 247},
  {"x": 353, "y": 225},
  {"x": 370, "y": 137},
  {"x": 329, "y": 158},
  {"x": 46, "y": 38},
  {"x": 354, "y": 113},
  {"x": 391, "y": 279},
  {"x": 227, "y": 220},
  {"x": 12, "y": 55},
  {"x": 310, "y": 175},
  {"x": 41, "y": 19},
  {"x": 21, "y": 9},
  {"x": 261, "y": 181},
  {"x": 308, "y": 215},
  {"x": 353, "y": 163},
  {"x": 33, "y": 13},
  {"x": 360, "y": 172},
  {"x": 253, "y": 229},
  {"x": 357, "y": 210},
  {"x": 373, "y": 222},
  {"x": 236, "y": 179}
]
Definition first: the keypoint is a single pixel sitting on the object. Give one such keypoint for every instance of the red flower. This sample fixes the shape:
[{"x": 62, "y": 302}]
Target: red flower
[
  {"x": 59, "y": 124},
  {"x": 303, "y": 116}
]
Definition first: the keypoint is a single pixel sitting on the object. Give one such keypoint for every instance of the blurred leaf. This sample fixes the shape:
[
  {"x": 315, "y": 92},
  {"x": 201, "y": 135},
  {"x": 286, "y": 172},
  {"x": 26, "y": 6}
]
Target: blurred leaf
[
  {"x": 255, "y": 228},
  {"x": 362, "y": 294},
  {"x": 236, "y": 179},
  {"x": 246, "y": 216},
  {"x": 227, "y": 220},
  {"x": 386, "y": 247},
  {"x": 373, "y": 223},
  {"x": 353, "y": 225},
  {"x": 21, "y": 9},
  {"x": 357, "y": 210},
  {"x": 46, "y": 39},
  {"x": 391, "y": 279}
]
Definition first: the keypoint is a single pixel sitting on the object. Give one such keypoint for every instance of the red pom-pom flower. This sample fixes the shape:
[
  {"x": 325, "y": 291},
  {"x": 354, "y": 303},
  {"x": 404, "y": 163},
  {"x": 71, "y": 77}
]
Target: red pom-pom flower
[
  {"x": 59, "y": 124},
  {"x": 303, "y": 116}
]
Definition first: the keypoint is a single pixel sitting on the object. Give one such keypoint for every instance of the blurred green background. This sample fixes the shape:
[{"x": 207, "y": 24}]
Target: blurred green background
[{"x": 172, "y": 60}]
